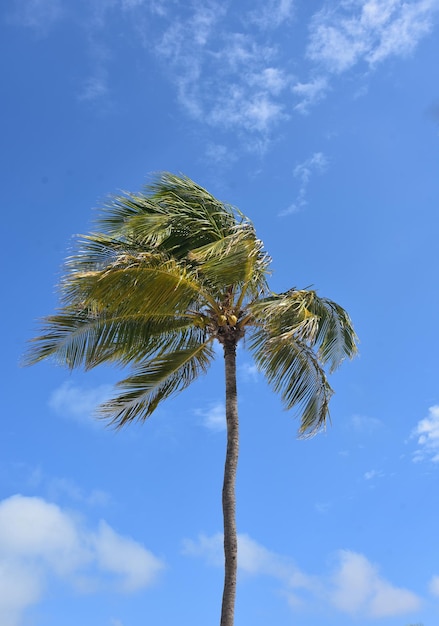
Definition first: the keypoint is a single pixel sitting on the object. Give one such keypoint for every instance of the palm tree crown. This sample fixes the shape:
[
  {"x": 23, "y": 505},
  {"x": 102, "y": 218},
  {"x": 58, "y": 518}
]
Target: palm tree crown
[{"x": 171, "y": 270}]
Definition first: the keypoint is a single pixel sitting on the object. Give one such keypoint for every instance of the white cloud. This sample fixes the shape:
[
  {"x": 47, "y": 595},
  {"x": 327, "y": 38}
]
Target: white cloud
[
  {"x": 304, "y": 171},
  {"x": 346, "y": 33},
  {"x": 427, "y": 434},
  {"x": 213, "y": 418},
  {"x": 38, "y": 539},
  {"x": 224, "y": 78},
  {"x": 358, "y": 589},
  {"x": 136, "y": 567},
  {"x": 70, "y": 400},
  {"x": 20, "y": 588},
  {"x": 253, "y": 559},
  {"x": 355, "y": 586},
  {"x": 229, "y": 66}
]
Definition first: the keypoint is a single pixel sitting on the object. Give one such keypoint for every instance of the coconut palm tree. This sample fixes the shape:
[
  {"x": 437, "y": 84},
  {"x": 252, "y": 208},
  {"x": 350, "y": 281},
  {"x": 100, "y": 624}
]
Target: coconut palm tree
[{"x": 170, "y": 271}]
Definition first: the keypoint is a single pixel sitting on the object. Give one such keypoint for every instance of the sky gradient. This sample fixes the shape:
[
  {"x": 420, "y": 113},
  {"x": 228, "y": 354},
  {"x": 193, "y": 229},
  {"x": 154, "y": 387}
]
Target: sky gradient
[{"x": 320, "y": 121}]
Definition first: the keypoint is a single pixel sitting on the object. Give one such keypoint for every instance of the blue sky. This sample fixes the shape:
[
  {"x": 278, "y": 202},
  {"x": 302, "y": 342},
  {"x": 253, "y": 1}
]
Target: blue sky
[{"x": 320, "y": 121}]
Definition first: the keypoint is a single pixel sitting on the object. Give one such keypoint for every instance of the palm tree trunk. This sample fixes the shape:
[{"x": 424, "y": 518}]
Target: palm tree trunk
[{"x": 229, "y": 500}]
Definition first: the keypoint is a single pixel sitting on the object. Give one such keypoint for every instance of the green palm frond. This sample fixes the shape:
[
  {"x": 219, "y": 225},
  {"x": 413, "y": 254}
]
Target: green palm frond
[
  {"x": 173, "y": 215},
  {"x": 98, "y": 251},
  {"x": 156, "y": 380},
  {"x": 169, "y": 269},
  {"x": 237, "y": 259},
  {"x": 84, "y": 338},
  {"x": 293, "y": 370},
  {"x": 137, "y": 286},
  {"x": 301, "y": 315}
]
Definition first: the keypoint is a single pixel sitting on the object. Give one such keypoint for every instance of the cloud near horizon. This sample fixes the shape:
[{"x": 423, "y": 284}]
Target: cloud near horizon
[
  {"x": 354, "y": 587},
  {"x": 39, "y": 540}
]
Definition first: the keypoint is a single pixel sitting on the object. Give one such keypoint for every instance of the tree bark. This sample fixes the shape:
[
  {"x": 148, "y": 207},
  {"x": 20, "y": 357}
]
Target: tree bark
[{"x": 228, "y": 497}]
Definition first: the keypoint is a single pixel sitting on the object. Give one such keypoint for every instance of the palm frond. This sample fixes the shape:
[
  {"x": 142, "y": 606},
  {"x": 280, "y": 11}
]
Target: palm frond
[
  {"x": 301, "y": 315},
  {"x": 156, "y": 380},
  {"x": 237, "y": 259},
  {"x": 99, "y": 251},
  {"x": 82, "y": 337},
  {"x": 134, "y": 286},
  {"x": 173, "y": 215},
  {"x": 293, "y": 370}
]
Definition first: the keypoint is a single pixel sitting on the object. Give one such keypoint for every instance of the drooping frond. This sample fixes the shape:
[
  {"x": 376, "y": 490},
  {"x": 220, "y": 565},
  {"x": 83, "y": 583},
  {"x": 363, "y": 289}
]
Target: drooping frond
[
  {"x": 319, "y": 322},
  {"x": 297, "y": 334},
  {"x": 293, "y": 370},
  {"x": 156, "y": 380}
]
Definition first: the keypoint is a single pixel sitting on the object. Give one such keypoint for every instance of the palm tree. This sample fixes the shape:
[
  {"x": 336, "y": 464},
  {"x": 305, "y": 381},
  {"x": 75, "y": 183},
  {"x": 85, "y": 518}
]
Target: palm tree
[{"x": 171, "y": 270}]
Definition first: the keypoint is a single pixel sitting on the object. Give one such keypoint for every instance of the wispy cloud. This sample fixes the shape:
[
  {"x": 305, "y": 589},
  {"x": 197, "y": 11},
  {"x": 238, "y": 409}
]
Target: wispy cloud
[
  {"x": 427, "y": 434},
  {"x": 303, "y": 172},
  {"x": 370, "y": 31},
  {"x": 214, "y": 417},
  {"x": 78, "y": 403},
  {"x": 226, "y": 79},
  {"x": 371, "y": 474},
  {"x": 249, "y": 372},
  {"x": 272, "y": 14},
  {"x": 360, "y": 33},
  {"x": 232, "y": 68},
  {"x": 364, "y": 424},
  {"x": 57, "y": 487},
  {"x": 354, "y": 587},
  {"x": 310, "y": 93},
  {"x": 39, "y": 540},
  {"x": 37, "y": 15},
  {"x": 95, "y": 86},
  {"x": 254, "y": 560}
]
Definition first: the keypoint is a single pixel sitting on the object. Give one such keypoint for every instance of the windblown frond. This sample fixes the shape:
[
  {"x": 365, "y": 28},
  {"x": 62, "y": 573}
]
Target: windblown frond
[
  {"x": 154, "y": 381},
  {"x": 304, "y": 316},
  {"x": 237, "y": 260},
  {"x": 293, "y": 370},
  {"x": 297, "y": 333},
  {"x": 83, "y": 338},
  {"x": 147, "y": 286},
  {"x": 173, "y": 215},
  {"x": 169, "y": 270}
]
